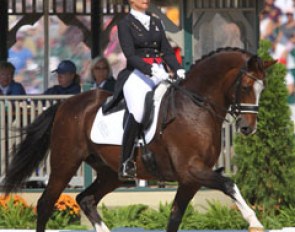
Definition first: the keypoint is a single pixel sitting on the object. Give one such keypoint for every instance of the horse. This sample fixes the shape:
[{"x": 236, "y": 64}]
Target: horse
[{"x": 186, "y": 150}]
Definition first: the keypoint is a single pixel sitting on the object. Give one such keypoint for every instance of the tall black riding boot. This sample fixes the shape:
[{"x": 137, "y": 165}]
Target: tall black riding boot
[{"x": 127, "y": 170}]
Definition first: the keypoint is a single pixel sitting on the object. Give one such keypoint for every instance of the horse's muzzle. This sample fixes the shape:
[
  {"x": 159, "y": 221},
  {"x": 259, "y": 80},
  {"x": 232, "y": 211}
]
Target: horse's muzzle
[{"x": 245, "y": 127}]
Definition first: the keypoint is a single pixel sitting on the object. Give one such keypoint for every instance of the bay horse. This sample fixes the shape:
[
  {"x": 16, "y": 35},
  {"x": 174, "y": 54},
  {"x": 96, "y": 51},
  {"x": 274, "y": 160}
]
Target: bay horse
[{"x": 185, "y": 151}]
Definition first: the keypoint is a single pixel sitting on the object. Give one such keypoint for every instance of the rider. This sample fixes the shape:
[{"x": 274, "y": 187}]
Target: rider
[{"x": 145, "y": 46}]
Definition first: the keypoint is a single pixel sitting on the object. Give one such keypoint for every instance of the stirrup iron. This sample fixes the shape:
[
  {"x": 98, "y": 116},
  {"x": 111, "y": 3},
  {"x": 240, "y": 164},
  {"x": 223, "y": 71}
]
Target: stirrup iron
[{"x": 128, "y": 170}]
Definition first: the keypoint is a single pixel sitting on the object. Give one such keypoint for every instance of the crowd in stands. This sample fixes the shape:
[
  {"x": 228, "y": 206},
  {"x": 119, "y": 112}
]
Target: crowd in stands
[
  {"x": 66, "y": 42},
  {"x": 28, "y": 52},
  {"x": 277, "y": 24}
]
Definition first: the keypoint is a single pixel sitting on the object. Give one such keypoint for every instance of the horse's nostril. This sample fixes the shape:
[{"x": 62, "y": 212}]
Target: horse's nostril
[{"x": 246, "y": 130}]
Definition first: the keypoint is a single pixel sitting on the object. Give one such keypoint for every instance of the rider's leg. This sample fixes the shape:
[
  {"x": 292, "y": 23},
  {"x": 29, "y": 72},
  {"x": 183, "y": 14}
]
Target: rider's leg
[
  {"x": 131, "y": 132},
  {"x": 135, "y": 89}
]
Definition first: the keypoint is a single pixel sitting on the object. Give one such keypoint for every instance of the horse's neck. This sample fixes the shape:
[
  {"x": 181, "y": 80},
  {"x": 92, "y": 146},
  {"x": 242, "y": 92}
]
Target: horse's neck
[
  {"x": 210, "y": 86},
  {"x": 214, "y": 76}
]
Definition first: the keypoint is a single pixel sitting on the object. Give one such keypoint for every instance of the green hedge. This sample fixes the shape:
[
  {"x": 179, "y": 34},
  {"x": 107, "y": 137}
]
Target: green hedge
[{"x": 266, "y": 160}]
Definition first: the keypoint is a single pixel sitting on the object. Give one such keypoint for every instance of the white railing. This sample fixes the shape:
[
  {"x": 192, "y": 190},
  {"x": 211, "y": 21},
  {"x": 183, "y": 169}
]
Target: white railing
[{"x": 19, "y": 111}]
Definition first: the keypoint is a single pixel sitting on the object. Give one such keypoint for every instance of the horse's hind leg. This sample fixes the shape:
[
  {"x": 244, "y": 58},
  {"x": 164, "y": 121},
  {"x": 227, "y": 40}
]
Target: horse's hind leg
[
  {"x": 61, "y": 174},
  {"x": 106, "y": 181},
  {"x": 215, "y": 180},
  {"x": 183, "y": 196}
]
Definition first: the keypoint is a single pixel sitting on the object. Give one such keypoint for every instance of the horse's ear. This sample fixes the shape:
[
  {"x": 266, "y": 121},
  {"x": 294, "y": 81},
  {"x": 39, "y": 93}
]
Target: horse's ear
[
  {"x": 268, "y": 63},
  {"x": 252, "y": 63},
  {"x": 255, "y": 63}
]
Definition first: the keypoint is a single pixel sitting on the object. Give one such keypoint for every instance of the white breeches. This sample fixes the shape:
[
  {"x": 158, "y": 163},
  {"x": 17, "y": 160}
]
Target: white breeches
[{"x": 135, "y": 89}]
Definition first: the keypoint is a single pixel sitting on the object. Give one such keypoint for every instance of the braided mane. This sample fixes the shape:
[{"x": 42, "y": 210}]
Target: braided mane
[{"x": 225, "y": 49}]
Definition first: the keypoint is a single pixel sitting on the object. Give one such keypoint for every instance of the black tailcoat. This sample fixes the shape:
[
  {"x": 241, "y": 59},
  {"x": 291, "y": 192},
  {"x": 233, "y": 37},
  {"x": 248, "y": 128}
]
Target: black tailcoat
[{"x": 138, "y": 43}]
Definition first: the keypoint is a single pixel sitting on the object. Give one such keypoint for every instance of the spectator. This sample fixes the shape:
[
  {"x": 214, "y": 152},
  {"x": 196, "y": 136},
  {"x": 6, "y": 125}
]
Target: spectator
[
  {"x": 31, "y": 79},
  {"x": 113, "y": 51},
  {"x": 102, "y": 74},
  {"x": 286, "y": 31},
  {"x": 7, "y": 84},
  {"x": 285, "y": 5},
  {"x": 291, "y": 55},
  {"x": 270, "y": 20},
  {"x": 288, "y": 28},
  {"x": 291, "y": 94},
  {"x": 68, "y": 79},
  {"x": 290, "y": 77},
  {"x": 71, "y": 46},
  {"x": 20, "y": 56},
  {"x": 290, "y": 87},
  {"x": 176, "y": 49}
]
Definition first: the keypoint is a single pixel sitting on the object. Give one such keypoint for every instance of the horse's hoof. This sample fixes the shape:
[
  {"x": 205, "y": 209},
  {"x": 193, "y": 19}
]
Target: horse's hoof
[{"x": 256, "y": 229}]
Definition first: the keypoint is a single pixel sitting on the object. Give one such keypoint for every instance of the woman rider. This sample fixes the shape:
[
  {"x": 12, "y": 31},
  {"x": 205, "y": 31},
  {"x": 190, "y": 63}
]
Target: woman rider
[{"x": 146, "y": 48}]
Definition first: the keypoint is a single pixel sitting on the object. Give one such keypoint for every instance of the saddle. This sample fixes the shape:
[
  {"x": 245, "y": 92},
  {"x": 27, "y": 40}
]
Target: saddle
[
  {"x": 108, "y": 125},
  {"x": 108, "y": 107}
]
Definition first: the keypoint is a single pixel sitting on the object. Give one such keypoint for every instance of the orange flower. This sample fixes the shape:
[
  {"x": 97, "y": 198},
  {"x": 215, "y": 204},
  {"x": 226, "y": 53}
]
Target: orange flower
[
  {"x": 16, "y": 199},
  {"x": 67, "y": 203}
]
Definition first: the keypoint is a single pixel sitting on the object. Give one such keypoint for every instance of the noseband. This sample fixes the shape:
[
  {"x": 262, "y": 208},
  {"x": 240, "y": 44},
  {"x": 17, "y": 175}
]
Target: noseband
[{"x": 237, "y": 107}]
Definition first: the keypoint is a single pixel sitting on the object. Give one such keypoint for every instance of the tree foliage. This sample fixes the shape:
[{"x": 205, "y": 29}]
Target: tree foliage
[{"x": 266, "y": 160}]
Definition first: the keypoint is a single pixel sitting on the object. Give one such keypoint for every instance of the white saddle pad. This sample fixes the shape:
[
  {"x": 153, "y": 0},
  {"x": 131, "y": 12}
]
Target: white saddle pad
[{"x": 108, "y": 129}]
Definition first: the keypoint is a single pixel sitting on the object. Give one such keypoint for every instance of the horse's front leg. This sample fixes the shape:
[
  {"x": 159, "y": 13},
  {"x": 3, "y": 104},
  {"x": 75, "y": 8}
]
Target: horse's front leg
[
  {"x": 183, "y": 196},
  {"x": 248, "y": 214},
  {"x": 215, "y": 180}
]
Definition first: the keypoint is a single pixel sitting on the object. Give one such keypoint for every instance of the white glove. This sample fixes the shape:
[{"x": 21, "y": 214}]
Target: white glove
[
  {"x": 159, "y": 72},
  {"x": 181, "y": 73}
]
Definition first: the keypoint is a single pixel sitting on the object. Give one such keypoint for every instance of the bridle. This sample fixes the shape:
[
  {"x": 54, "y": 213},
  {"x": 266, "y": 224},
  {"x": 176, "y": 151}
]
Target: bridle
[{"x": 237, "y": 107}]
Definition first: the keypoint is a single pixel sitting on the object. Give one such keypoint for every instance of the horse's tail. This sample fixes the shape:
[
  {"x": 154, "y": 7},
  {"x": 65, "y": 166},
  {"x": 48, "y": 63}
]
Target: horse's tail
[{"x": 31, "y": 151}]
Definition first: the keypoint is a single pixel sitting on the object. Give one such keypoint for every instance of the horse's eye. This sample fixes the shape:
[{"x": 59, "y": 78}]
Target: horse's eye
[{"x": 246, "y": 88}]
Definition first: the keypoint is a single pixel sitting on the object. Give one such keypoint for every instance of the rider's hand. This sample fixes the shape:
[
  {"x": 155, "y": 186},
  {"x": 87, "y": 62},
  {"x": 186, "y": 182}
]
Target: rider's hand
[
  {"x": 181, "y": 73},
  {"x": 159, "y": 72}
]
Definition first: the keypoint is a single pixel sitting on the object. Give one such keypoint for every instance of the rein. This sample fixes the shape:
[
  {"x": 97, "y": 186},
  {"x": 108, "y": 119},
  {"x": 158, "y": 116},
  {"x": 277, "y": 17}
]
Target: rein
[{"x": 195, "y": 98}]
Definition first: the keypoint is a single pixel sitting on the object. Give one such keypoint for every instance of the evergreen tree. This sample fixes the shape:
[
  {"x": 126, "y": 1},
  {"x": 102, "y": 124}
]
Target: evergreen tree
[{"x": 266, "y": 160}]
